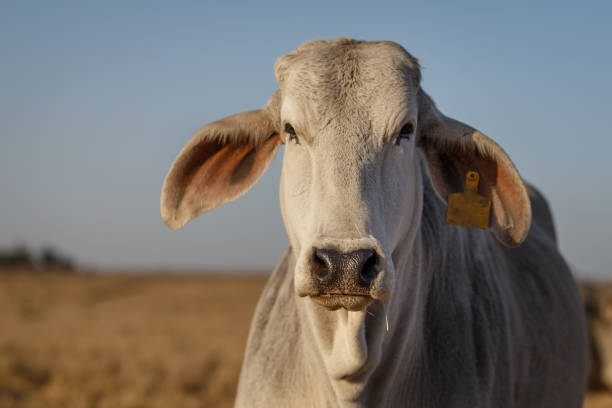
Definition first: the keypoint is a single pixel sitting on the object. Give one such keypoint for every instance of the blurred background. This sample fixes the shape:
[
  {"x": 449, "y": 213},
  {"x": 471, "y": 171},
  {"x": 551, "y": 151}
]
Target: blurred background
[{"x": 96, "y": 100}]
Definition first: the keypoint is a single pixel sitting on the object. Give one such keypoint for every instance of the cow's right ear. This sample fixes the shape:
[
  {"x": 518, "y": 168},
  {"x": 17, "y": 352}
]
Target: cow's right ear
[
  {"x": 452, "y": 148},
  {"x": 220, "y": 163}
]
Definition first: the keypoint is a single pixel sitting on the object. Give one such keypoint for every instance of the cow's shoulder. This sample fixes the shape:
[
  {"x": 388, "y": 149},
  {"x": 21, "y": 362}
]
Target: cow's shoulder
[{"x": 272, "y": 347}]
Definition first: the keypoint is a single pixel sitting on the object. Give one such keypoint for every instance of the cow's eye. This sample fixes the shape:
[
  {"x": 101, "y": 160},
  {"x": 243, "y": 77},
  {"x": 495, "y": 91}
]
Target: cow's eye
[
  {"x": 290, "y": 131},
  {"x": 405, "y": 133}
]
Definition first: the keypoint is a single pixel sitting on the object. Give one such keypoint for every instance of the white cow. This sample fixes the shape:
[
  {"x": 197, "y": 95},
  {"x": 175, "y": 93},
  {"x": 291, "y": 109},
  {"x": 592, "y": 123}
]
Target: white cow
[{"x": 377, "y": 301}]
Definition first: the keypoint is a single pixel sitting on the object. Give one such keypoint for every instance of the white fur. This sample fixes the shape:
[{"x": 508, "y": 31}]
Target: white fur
[{"x": 472, "y": 322}]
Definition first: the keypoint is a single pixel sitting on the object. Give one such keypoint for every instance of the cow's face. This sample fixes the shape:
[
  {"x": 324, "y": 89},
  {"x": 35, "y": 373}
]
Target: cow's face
[
  {"x": 350, "y": 186},
  {"x": 357, "y": 128}
]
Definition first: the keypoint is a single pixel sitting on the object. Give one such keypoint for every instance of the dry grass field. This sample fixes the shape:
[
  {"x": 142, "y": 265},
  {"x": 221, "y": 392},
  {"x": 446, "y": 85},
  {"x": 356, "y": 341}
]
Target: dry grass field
[{"x": 127, "y": 341}]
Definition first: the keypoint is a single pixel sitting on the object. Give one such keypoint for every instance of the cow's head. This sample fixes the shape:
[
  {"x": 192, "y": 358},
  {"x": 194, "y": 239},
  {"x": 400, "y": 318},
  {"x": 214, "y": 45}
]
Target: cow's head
[{"x": 356, "y": 127}]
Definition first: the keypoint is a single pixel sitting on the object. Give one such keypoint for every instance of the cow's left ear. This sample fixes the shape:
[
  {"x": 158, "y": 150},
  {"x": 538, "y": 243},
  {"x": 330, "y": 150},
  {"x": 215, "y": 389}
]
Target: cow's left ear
[
  {"x": 220, "y": 163},
  {"x": 452, "y": 148}
]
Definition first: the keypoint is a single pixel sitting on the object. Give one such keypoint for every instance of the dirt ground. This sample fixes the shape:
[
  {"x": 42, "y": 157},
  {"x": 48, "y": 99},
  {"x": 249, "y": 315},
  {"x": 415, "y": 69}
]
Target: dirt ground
[{"x": 127, "y": 341}]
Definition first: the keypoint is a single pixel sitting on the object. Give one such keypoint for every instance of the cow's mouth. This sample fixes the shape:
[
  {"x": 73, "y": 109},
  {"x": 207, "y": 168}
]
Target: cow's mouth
[{"x": 352, "y": 302}]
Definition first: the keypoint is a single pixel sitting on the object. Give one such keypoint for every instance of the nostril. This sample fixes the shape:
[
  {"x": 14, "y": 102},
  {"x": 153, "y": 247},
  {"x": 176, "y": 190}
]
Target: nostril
[
  {"x": 322, "y": 268},
  {"x": 318, "y": 257},
  {"x": 368, "y": 271}
]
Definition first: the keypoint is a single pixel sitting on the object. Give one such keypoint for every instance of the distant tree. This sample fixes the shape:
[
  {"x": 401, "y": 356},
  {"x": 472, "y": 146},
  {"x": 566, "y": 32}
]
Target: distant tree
[
  {"x": 18, "y": 256},
  {"x": 21, "y": 257},
  {"x": 51, "y": 259}
]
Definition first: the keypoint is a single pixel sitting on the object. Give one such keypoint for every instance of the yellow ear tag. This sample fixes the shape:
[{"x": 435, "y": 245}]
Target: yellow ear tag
[{"x": 469, "y": 209}]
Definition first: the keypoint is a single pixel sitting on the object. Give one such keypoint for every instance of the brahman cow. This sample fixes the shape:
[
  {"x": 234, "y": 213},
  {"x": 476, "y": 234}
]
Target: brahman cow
[
  {"x": 378, "y": 302},
  {"x": 598, "y": 306}
]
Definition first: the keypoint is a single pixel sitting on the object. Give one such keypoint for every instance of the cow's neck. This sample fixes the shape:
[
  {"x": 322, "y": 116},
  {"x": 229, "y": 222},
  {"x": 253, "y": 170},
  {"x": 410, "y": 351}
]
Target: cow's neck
[
  {"x": 347, "y": 347},
  {"x": 353, "y": 350}
]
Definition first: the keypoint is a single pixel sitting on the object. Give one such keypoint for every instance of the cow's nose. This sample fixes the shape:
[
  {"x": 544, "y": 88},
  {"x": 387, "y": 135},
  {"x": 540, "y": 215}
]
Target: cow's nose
[{"x": 359, "y": 265}]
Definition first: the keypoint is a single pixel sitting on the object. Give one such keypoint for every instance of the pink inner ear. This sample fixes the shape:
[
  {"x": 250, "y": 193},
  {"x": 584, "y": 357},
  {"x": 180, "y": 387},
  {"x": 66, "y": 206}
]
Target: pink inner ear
[
  {"x": 211, "y": 181},
  {"x": 220, "y": 173},
  {"x": 511, "y": 190}
]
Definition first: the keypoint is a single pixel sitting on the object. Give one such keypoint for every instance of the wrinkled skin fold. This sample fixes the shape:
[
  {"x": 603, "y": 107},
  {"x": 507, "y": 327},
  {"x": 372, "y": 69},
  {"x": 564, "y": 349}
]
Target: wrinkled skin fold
[{"x": 452, "y": 317}]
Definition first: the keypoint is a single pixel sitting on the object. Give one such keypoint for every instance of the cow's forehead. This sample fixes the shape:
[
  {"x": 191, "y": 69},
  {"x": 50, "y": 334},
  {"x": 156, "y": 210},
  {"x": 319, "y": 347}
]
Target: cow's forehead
[
  {"x": 347, "y": 77},
  {"x": 343, "y": 62}
]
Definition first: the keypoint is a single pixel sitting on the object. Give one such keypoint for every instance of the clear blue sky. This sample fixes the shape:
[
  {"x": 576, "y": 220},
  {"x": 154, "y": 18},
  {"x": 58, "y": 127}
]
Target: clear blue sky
[{"x": 97, "y": 99}]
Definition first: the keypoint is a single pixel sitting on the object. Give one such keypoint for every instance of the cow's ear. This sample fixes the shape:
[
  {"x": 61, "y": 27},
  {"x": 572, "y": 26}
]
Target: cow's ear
[
  {"x": 452, "y": 148},
  {"x": 220, "y": 163}
]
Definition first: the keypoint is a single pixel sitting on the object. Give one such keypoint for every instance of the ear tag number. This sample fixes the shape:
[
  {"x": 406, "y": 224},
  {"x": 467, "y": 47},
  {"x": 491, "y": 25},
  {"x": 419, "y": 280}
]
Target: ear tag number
[{"x": 469, "y": 209}]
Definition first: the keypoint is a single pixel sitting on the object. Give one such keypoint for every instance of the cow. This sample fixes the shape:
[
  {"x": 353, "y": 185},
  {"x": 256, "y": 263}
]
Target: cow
[
  {"x": 378, "y": 301},
  {"x": 597, "y": 298}
]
